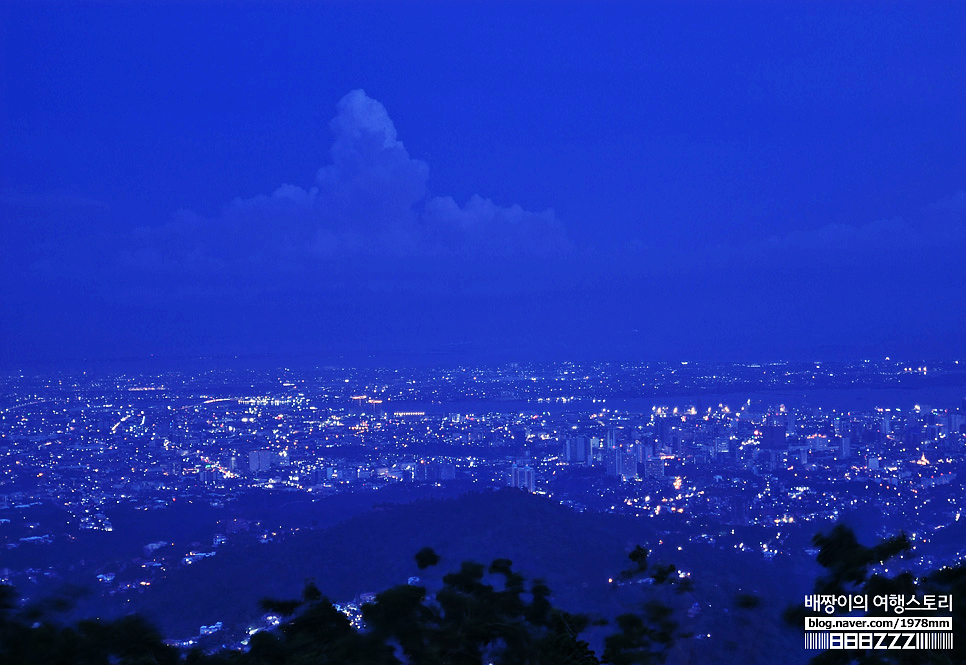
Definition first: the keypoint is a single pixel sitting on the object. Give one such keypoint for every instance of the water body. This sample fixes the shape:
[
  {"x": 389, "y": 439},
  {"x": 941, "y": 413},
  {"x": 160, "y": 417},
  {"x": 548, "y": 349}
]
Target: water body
[{"x": 840, "y": 399}]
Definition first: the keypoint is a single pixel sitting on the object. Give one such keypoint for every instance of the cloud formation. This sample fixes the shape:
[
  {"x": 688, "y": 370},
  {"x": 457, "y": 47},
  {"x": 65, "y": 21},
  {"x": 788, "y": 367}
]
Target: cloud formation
[
  {"x": 370, "y": 201},
  {"x": 936, "y": 226}
]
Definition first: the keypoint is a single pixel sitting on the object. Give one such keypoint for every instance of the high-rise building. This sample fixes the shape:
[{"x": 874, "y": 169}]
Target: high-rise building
[
  {"x": 628, "y": 461},
  {"x": 577, "y": 450},
  {"x": 612, "y": 462},
  {"x": 434, "y": 471},
  {"x": 522, "y": 477},
  {"x": 654, "y": 467},
  {"x": 622, "y": 462},
  {"x": 773, "y": 437},
  {"x": 260, "y": 460},
  {"x": 740, "y": 508}
]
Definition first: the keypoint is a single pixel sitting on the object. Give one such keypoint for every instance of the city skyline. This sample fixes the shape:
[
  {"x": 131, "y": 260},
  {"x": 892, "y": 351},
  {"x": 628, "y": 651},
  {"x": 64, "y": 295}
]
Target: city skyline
[{"x": 148, "y": 488}]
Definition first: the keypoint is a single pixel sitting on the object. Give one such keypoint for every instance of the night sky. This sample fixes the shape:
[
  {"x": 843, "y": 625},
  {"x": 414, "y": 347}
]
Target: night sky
[{"x": 496, "y": 181}]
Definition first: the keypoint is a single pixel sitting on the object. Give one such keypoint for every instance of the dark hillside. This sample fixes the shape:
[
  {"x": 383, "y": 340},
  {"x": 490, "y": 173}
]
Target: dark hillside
[
  {"x": 575, "y": 553},
  {"x": 373, "y": 551}
]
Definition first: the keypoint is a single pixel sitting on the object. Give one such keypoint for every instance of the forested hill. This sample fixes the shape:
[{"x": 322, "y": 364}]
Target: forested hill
[
  {"x": 373, "y": 551},
  {"x": 575, "y": 553}
]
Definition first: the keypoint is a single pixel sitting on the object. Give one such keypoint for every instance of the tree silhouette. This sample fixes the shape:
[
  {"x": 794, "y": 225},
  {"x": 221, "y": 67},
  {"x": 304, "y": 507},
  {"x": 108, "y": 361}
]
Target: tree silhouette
[
  {"x": 849, "y": 571},
  {"x": 29, "y": 636},
  {"x": 645, "y": 637},
  {"x": 481, "y": 614}
]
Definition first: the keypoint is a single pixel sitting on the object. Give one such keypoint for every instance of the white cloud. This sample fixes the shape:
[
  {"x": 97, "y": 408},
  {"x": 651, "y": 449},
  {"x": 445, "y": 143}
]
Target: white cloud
[{"x": 370, "y": 200}]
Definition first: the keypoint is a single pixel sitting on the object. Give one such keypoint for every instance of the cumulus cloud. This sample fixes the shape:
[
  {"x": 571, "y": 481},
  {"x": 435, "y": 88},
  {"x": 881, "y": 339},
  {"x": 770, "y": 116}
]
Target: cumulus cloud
[
  {"x": 935, "y": 226},
  {"x": 486, "y": 227},
  {"x": 955, "y": 203},
  {"x": 369, "y": 200},
  {"x": 831, "y": 237}
]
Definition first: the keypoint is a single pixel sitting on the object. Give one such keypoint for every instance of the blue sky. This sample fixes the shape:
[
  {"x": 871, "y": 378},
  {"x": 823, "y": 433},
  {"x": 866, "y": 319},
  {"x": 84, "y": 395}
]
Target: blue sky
[{"x": 471, "y": 181}]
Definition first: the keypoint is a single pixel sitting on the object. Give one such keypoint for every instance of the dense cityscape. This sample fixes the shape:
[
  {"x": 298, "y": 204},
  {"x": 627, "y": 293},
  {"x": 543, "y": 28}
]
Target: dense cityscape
[
  {"x": 748, "y": 457},
  {"x": 384, "y": 332}
]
